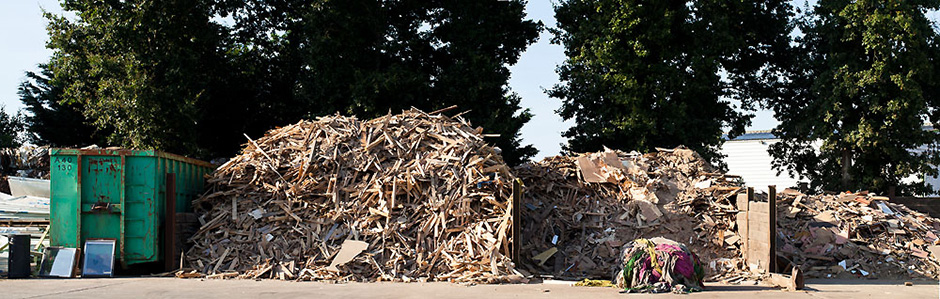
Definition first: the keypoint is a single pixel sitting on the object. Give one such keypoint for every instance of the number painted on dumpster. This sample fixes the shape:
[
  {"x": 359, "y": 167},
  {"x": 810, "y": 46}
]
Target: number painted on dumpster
[{"x": 64, "y": 163}]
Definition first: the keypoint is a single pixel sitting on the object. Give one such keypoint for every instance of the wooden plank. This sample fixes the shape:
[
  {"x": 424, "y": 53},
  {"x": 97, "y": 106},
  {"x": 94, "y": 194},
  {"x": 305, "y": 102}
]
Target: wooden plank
[
  {"x": 742, "y": 219},
  {"x": 772, "y": 225},
  {"x": 516, "y": 208},
  {"x": 759, "y": 236},
  {"x": 758, "y": 207}
]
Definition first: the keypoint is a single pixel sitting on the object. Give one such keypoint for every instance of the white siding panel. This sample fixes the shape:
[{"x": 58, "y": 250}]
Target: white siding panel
[{"x": 750, "y": 160}]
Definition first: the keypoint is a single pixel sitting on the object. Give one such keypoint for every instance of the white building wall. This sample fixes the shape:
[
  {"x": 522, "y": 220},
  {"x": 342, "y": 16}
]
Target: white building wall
[
  {"x": 750, "y": 160},
  {"x": 932, "y": 180}
]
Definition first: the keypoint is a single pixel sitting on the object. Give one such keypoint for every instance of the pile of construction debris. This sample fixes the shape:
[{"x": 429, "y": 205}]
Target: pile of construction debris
[
  {"x": 853, "y": 235},
  {"x": 414, "y": 196},
  {"x": 25, "y": 161},
  {"x": 579, "y": 211},
  {"x": 24, "y": 197},
  {"x": 420, "y": 196}
]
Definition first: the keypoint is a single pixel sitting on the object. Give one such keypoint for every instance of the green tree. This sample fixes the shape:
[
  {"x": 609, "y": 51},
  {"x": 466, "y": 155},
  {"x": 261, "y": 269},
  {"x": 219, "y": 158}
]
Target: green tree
[
  {"x": 862, "y": 92},
  {"x": 369, "y": 57},
  {"x": 140, "y": 70},
  {"x": 51, "y": 121},
  {"x": 643, "y": 74},
  {"x": 11, "y": 129},
  {"x": 164, "y": 75}
]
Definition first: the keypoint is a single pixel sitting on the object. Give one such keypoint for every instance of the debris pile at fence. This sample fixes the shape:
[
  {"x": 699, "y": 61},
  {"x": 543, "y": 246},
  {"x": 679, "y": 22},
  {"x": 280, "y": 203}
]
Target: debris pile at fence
[
  {"x": 579, "y": 211},
  {"x": 852, "y": 235},
  {"x": 413, "y": 196}
]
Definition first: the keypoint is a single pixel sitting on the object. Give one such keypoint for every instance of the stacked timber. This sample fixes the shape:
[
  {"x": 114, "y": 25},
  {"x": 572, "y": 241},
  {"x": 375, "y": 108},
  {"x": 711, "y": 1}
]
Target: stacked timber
[{"x": 413, "y": 196}]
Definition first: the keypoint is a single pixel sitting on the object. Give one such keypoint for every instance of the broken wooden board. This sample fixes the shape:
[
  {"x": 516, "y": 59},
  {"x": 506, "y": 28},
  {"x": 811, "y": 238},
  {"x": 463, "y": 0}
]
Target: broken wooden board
[
  {"x": 349, "y": 250},
  {"x": 590, "y": 172}
]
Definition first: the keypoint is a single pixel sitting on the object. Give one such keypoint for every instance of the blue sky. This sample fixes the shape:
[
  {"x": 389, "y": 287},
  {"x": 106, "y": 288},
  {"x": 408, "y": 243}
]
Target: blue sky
[
  {"x": 23, "y": 38},
  {"x": 22, "y": 44}
]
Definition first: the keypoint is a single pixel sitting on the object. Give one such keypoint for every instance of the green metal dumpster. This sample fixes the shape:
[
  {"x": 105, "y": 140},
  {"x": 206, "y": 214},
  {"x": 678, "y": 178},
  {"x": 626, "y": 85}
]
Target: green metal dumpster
[{"x": 119, "y": 194}]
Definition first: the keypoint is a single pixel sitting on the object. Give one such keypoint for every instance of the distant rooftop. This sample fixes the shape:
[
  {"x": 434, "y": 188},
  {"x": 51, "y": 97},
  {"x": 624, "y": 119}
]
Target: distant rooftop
[
  {"x": 766, "y": 134},
  {"x": 751, "y": 135}
]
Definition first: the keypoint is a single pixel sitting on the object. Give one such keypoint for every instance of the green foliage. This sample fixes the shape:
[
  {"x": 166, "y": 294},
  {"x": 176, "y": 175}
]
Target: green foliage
[
  {"x": 11, "y": 129},
  {"x": 643, "y": 74},
  {"x": 165, "y": 75},
  {"x": 141, "y": 70},
  {"x": 50, "y": 121},
  {"x": 862, "y": 89},
  {"x": 370, "y": 57}
]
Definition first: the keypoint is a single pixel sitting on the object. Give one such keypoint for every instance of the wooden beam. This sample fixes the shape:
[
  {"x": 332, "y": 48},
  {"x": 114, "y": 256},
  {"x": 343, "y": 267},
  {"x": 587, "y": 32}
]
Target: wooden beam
[
  {"x": 772, "y": 228},
  {"x": 516, "y": 220}
]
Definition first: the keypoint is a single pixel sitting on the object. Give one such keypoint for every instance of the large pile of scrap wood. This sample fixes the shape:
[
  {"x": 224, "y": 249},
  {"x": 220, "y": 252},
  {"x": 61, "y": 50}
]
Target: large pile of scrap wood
[
  {"x": 579, "y": 211},
  {"x": 857, "y": 235},
  {"x": 401, "y": 197}
]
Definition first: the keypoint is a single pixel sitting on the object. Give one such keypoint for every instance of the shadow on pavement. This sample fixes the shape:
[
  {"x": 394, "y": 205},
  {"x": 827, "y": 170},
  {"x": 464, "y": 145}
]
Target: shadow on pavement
[
  {"x": 738, "y": 288},
  {"x": 866, "y": 282}
]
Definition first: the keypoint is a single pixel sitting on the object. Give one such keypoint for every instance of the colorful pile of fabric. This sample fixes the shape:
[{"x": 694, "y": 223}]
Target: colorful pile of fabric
[{"x": 659, "y": 265}]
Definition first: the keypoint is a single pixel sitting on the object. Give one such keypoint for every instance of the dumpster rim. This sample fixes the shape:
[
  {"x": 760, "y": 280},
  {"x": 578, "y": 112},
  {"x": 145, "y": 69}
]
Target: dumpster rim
[{"x": 130, "y": 152}]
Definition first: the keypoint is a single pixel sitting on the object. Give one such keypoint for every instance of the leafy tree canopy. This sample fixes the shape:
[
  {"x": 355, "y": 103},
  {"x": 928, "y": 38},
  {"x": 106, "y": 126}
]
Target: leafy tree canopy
[
  {"x": 643, "y": 74},
  {"x": 11, "y": 129},
  {"x": 191, "y": 75},
  {"x": 51, "y": 121},
  {"x": 139, "y": 69},
  {"x": 863, "y": 87},
  {"x": 369, "y": 57}
]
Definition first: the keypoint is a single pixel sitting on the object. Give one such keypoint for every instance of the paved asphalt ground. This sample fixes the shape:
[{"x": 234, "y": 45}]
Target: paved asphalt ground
[{"x": 231, "y": 289}]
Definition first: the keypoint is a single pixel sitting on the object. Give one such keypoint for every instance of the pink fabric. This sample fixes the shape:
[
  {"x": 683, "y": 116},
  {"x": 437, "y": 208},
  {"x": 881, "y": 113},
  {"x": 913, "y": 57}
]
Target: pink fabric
[{"x": 684, "y": 263}]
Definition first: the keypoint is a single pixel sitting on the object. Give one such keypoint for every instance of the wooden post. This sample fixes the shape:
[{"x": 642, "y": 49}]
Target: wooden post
[
  {"x": 742, "y": 220},
  {"x": 516, "y": 221},
  {"x": 170, "y": 254},
  {"x": 772, "y": 224}
]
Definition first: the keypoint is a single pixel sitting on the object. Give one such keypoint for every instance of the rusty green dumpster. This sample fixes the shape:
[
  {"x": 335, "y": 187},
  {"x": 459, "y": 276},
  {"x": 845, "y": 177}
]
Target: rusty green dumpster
[{"x": 119, "y": 194}]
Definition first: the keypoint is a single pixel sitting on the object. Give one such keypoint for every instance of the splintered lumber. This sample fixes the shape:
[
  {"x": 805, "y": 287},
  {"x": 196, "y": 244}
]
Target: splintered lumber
[
  {"x": 584, "y": 208},
  {"x": 425, "y": 193},
  {"x": 856, "y": 235},
  {"x": 588, "y": 206}
]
